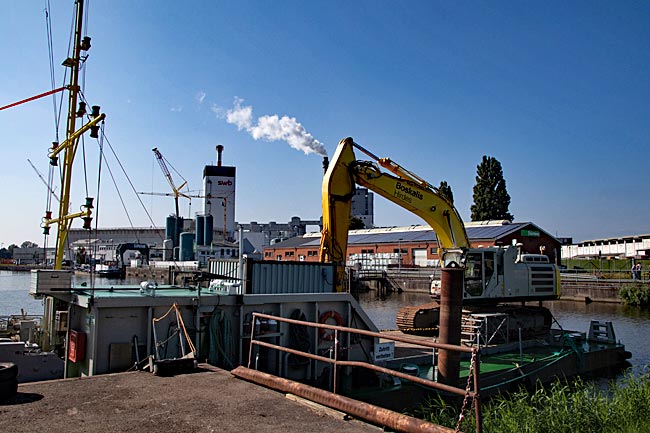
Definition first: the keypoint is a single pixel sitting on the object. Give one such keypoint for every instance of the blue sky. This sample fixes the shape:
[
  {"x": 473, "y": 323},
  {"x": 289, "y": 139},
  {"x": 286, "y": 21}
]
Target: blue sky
[{"x": 557, "y": 91}]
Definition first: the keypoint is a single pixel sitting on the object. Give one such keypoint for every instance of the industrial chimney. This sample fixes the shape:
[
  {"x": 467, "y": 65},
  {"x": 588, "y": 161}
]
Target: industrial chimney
[
  {"x": 326, "y": 163},
  {"x": 219, "y": 151}
]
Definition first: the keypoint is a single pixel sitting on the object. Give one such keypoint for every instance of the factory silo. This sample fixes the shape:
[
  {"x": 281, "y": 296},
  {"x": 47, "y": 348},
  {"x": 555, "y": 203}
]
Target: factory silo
[
  {"x": 219, "y": 201},
  {"x": 207, "y": 230},
  {"x": 171, "y": 229},
  {"x": 180, "y": 228},
  {"x": 187, "y": 247},
  {"x": 200, "y": 230}
]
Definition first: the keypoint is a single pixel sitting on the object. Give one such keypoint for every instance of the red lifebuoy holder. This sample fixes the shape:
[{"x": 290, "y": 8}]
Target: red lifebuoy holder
[{"x": 327, "y": 318}]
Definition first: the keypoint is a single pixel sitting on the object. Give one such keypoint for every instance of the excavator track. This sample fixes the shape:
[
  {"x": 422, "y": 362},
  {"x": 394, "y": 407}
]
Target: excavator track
[
  {"x": 531, "y": 321},
  {"x": 419, "y": 319}
]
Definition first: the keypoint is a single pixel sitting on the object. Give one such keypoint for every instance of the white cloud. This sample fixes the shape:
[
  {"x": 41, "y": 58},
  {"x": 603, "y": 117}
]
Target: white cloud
[{"x": 200, "y": 97}]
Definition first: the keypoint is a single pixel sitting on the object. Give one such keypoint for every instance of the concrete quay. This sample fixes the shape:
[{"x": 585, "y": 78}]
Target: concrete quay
[{"x": 210, "y": 400}]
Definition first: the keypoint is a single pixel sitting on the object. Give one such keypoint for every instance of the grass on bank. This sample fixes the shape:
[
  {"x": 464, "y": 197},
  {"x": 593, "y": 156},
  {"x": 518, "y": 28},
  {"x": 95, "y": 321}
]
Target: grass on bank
[{"x": 581, "y": 407}]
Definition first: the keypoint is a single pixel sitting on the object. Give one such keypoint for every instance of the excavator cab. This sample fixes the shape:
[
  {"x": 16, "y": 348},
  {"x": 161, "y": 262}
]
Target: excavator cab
[{"x": 480, "y": 271}]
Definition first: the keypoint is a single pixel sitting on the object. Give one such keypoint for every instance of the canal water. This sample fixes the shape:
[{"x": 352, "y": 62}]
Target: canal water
[
  {"x": 14, "y": 291},
  {"x": 631, "y": 324}
]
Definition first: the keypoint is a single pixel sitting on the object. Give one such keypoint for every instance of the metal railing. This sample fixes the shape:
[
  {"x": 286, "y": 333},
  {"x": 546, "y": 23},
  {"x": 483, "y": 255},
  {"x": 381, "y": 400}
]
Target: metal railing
[
  {"x": 613, "y": 275},
  {"x": 466, "y": 392}
]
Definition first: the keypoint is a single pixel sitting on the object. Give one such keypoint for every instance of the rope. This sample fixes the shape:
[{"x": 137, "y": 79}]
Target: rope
[
  {"x": 179, "y": 317},
  {"x": 40, "y": 95},
  {"x": 187, "y": 336}
]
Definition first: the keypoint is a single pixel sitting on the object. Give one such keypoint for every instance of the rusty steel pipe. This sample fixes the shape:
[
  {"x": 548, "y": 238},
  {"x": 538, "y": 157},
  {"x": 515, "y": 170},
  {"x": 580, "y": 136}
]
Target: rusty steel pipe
[
  {"x": 377, "y": 368},
  {"x": 451, "y": 309},
  {"x": 368, "y": 412}
]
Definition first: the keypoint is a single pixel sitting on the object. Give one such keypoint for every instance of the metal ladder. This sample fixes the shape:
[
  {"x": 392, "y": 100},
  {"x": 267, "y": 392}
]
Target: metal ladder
[{"x": 470, "y": 329}]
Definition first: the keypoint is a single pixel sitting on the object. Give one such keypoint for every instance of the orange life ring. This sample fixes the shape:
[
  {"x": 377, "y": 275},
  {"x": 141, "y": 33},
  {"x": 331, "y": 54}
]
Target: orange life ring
[{"x": 328, "y": 334}]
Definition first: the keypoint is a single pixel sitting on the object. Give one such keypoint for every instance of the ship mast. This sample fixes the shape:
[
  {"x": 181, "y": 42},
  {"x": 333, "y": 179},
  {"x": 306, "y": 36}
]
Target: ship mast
[{"x": 69, "y": 146}]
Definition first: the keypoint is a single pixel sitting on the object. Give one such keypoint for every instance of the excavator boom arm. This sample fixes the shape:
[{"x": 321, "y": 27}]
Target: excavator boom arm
[{"x": 402, "y": 188}]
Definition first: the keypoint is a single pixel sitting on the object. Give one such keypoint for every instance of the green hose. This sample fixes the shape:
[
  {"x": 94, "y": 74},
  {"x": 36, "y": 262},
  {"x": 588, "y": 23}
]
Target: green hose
[{"x": 222, "y": 345}]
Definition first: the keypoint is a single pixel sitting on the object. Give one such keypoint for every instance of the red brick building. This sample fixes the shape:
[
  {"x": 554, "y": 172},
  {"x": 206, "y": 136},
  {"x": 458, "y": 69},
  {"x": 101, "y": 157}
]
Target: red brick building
[{"x": 417, "y": 245}]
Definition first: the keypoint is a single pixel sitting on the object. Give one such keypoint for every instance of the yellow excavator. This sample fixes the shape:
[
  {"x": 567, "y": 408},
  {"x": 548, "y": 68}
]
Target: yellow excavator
[{"x": 492, "y": 275}]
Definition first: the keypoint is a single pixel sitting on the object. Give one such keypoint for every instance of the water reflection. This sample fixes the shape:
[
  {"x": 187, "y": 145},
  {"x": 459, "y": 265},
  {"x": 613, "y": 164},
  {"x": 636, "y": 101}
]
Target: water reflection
[
  {"x": 629, "y": 322},
  {"x": 14, "y": 290}
]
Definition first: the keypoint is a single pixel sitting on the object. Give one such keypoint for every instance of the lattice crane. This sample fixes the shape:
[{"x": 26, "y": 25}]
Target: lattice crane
[{"x": 175, "y": 190}]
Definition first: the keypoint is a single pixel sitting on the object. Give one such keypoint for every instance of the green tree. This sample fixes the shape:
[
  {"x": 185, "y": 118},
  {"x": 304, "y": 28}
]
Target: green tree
[
  {"x": 356, "y": 223},
  {"x": 445, "y": 190},
  {"x": 491, "y": 199}
]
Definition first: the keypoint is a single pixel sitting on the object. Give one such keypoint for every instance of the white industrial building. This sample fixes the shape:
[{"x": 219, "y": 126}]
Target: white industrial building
[{"x": 622, "y": 247}]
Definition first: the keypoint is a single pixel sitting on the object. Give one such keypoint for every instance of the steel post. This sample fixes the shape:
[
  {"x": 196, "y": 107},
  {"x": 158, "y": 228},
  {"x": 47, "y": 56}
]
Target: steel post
[{"x": 451, "y": 300}]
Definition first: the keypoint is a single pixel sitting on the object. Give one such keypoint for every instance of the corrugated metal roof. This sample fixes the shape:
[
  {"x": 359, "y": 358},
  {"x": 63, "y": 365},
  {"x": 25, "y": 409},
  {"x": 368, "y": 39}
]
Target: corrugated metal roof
[
  {"x": 407, "y": 234},
  {"x": 493, "y": 232}
]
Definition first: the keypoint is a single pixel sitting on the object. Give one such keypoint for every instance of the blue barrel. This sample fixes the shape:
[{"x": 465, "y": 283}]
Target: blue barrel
[
  {"x": 200, "y": 230},
  {"x": 209, "y": 224},
  {"x": 187, "y": 246}
]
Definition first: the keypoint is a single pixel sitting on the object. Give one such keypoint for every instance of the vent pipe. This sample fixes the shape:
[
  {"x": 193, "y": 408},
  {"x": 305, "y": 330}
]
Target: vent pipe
[
  {"x": 326, "y": 163},
  {"x": 219, "y": 151}
]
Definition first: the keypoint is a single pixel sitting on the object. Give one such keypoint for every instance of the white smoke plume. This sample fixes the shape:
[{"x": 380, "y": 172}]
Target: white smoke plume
[{"x": 274, "y": 128}]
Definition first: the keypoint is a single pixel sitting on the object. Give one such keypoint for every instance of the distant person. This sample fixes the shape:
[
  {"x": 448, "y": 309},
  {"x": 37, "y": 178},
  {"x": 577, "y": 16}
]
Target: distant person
[
  {"x": 637, "y": 270},
  {"x": 633, "y": 270}
]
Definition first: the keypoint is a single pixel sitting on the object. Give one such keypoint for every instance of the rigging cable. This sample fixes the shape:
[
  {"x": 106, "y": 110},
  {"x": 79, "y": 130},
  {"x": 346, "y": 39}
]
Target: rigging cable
[
  {"x": 86, "y": 13},
  {"x": 153, "y": 224},
  {"x": 99, "y": 177},
  {"x": 83, "y": 153},
  {"x": 119, "y": 194},
  {"x": 50, "y": 49}
]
